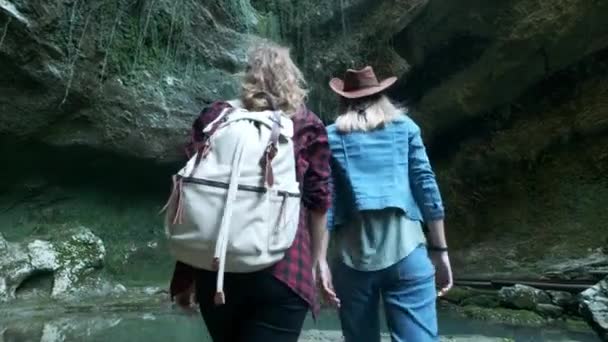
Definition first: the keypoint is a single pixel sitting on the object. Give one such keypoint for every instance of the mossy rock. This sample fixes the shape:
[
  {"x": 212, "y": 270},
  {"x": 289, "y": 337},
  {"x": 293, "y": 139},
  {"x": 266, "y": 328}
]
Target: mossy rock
[
  {"x": 68, "y": 257},
  {"x": 576, "y": 324},
  {"x": 463, "y": 296},
  {"x": 502, "y": 315},
  {"x": 457, "y": 294},
  {"x": 523, "y": 297}
]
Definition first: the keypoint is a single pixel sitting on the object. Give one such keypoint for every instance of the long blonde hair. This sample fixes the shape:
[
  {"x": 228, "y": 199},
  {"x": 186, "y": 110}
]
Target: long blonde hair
[
  {"x": 272, "y": 73},
  {"x": 366, "y": 113}
]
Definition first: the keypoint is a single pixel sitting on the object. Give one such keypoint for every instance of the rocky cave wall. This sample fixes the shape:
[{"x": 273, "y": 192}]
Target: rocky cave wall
[{"x": 96, "y": 99}]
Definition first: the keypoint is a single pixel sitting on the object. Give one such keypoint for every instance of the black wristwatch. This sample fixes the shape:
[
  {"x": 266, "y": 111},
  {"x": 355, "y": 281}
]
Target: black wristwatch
[{"x": 437, "y": 249}]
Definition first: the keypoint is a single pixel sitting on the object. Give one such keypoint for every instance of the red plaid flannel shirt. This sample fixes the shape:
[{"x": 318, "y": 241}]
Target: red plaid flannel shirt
[{"x": 313, "y": 172}]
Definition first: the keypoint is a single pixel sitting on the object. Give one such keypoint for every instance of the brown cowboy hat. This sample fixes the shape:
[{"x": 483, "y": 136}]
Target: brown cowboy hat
[{"x": 360, "y": 83}]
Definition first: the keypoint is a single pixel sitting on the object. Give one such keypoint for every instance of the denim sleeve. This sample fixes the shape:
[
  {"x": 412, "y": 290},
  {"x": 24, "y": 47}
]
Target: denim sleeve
[{"x": 422, "y": 178}]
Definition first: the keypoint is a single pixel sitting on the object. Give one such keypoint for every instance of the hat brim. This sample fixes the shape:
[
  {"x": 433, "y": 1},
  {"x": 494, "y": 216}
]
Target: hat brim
[{"x": 337, "y": 85}]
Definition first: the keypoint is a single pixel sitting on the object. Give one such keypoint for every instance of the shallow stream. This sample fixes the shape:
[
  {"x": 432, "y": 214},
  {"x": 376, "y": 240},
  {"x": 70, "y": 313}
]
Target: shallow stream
[{"x": 166, "y": 325}]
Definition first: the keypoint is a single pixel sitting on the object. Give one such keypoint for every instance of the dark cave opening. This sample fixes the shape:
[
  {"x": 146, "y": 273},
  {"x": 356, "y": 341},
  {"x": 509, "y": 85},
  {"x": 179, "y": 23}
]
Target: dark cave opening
[
  {"x": 36, "y": 284},
  {"x": 80, "y": 165}
]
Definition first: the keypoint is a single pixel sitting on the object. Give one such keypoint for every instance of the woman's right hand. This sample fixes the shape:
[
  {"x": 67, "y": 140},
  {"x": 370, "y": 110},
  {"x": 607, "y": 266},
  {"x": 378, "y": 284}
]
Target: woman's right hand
[{"x": 325, "y": 282}]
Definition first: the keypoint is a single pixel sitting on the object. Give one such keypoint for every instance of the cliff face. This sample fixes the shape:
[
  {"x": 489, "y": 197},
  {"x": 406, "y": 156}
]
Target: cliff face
[
  {"x": 96, "y": 99},
  {"x": 119, "y": 76}
]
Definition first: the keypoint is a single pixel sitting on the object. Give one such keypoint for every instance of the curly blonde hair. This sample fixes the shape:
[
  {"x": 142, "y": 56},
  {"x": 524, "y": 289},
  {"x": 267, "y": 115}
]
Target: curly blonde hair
[{"x": 272, "y": 73}]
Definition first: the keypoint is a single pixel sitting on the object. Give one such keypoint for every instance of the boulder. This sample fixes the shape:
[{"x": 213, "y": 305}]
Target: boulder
[
  {"x": 561, "y": 298},
  {"x": 582, "y": 268},
  {"x": 67, "y": 257},
  {"x": 594, "y": 307},
  {"x": 523, "y": 297},
  {"x": 565, "y": 300}
]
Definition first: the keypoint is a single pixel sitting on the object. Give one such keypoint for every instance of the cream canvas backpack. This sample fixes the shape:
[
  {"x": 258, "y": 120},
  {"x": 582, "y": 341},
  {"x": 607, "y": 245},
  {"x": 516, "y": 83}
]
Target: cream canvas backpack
[{"x": 235, "y": 205}]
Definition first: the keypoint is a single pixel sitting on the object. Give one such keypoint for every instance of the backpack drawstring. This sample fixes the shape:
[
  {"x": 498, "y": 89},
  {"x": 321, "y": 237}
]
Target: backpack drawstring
[
  {"x": 176, "y": 198},
  {"x": 221, "y": 246},
  {"x": 282, "y": 219}
]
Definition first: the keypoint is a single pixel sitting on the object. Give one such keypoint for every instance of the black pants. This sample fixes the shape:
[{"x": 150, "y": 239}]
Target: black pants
[{"x": 259, "y": 308}]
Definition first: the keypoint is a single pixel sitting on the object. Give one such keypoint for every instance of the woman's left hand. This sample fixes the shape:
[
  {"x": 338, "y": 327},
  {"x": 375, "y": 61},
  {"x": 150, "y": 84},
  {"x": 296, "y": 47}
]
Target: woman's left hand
[{"x": 186, "y": 301}]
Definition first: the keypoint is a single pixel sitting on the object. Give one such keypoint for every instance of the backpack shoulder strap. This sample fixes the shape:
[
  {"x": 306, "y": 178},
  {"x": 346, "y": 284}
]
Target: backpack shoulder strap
[
  {"x": 215, "y": 124},
  {"x": 276, "y": 128},
  {"x": 208, "y": 132},
  {"x": 271, "y": 149},
  {"x": 236, "y": 103}
]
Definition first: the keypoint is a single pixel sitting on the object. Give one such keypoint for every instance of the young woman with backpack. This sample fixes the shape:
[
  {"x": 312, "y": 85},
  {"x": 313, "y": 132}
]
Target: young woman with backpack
[
  {"x": 269, "y": 304},
  {"x": 384, "y": 188}
]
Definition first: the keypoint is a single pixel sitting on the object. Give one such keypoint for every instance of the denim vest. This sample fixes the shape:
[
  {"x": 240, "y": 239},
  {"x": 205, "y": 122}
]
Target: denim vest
[{"x": 386, "y": 167}]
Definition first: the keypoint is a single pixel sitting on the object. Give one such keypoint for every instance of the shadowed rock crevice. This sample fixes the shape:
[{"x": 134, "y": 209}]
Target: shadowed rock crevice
[
  {"x": 560, "y": 89},
  {"x": 38, "y": 285},
  {"x": 81, "y": 166},
  {"x": 524, "y": 37},
  {"x": 450, "y": 58}
]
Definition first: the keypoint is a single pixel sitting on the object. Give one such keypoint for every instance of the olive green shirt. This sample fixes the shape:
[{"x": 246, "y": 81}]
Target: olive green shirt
[{"x": 377, "y": 239}]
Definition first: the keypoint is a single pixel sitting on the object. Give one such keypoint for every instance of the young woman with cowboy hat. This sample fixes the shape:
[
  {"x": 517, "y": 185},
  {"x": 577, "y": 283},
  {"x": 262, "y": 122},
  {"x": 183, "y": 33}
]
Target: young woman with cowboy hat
[{"x": 384, "y": 189}]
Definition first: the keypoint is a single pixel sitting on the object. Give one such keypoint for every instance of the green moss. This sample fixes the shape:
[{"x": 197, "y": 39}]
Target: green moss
[
  {"x": 485, "y": 301},
  {"x": 502, "y": 315},
  {"x": 458, "y": 293},
  {"x": 148, "y": 41},
  {"x": 469, "y": 296},
  {"x": 78, "y": 249},
  {"x": 577, "y": 324},
  {"x": 140, "y": 42},
  {"x": 269, "y": 26}
]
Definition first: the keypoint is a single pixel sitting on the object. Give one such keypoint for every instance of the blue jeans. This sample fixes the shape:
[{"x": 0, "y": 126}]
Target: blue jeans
[{"x": 408, "y": 293}]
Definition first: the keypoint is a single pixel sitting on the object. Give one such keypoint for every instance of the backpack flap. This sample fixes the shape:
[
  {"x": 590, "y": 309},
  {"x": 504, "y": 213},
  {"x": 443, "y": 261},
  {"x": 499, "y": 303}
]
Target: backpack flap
[{"x": 265, "y": 118}]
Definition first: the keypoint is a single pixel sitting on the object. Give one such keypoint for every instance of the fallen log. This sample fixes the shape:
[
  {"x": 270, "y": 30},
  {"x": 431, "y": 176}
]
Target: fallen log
[{"x": 573, "y": 286}]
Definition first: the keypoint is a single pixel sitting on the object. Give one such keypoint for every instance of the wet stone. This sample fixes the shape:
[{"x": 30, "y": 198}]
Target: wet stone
[
  {"x": 594, "y": 307},
  {"x": 550, "y": 310},
  {"x": 561, "y": 298},
  {"x": 523, "y": 297}
]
